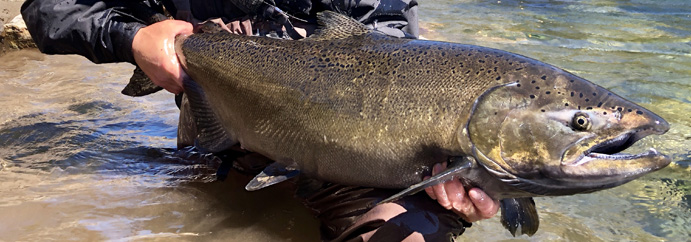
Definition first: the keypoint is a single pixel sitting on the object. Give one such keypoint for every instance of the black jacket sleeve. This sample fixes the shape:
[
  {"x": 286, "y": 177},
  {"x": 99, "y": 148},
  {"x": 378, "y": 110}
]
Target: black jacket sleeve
[{"x": 101, "y": 31}]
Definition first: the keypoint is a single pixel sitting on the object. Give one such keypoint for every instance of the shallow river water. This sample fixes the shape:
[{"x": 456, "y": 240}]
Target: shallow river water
[{"x": 80, "y": 161}]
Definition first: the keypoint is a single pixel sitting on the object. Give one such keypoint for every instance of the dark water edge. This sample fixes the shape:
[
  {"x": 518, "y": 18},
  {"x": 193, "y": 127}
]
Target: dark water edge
[{"x": 80, "y": 161}]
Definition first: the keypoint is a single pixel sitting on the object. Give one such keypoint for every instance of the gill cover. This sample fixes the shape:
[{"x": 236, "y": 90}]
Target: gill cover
[
  {"x": 526, "y": 126},
  {"x": 515, "y": 132}
]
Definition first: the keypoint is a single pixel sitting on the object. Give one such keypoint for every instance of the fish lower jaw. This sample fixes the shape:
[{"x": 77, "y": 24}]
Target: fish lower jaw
[
  {"x": 618, "y": 156},
  {"x": 624, "y": 156},
  {"x": 610, "y": 150},
  {"x": 613, "y": 168}
]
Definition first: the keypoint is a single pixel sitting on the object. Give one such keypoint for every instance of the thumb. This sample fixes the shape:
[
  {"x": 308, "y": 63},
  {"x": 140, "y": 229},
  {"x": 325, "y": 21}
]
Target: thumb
[{"x": 485, "y": 206}]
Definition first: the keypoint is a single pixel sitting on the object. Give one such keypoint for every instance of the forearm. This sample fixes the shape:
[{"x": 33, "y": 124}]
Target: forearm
[{"x": 101, "y": 31}]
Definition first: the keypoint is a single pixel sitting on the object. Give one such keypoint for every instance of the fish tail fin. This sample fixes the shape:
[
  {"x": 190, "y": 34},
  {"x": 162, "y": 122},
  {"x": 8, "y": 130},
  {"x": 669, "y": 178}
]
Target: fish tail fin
[
  {"x": 140, "y": 85},
  {"x": 519, "y": 215}
]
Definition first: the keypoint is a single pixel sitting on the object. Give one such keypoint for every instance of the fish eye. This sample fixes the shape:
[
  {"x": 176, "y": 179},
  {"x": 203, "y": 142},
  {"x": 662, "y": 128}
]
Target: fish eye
[{"x": 580, "y": 122}]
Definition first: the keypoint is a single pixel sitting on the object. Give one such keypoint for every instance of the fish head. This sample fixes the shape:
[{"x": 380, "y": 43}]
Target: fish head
[{"x": 554, "y": 133}]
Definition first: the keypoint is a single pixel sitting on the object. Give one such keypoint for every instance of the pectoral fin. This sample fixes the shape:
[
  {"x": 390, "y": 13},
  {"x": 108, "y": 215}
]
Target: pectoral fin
[
  {"x": 272, "y": 174},
  {"x": 519, "y": 216},
  {"x": 457, "y": 168}
]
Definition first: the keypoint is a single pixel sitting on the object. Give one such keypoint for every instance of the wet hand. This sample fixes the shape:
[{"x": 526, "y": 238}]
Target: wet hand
[
  {"x": 472, "y": 206},
  {"x": 154, "y": 51},
  {"x": 242, "y": 26}
]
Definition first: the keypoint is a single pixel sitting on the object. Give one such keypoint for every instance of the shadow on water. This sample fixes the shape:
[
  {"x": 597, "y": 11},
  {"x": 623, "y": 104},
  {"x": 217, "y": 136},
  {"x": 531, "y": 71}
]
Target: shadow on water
[
  {"x": 272, "y": 212},
  {"x": 126, "y": 191},
  {"x": 223, "y": 210}
]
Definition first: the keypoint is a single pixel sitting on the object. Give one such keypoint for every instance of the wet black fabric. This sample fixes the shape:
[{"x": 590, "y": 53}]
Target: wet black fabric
[
  {"x": 340, "y": 207},
  {"x": 102, "y": 31}
]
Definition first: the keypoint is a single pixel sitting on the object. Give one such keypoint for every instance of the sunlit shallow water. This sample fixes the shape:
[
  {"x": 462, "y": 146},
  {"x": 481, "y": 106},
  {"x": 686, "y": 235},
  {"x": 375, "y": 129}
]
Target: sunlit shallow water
[{"x": 80, "y": 161}]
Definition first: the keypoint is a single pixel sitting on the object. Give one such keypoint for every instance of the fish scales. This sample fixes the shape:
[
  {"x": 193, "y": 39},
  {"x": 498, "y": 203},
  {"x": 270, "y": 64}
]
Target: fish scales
[
  {"x": 356, "y": 107},
  {"x": 334, "y": 94}
]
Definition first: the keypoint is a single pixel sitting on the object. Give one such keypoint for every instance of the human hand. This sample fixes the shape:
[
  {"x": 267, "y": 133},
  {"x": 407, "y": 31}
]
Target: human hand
[
  {"x": 242, "y": 26},
  {"x": 154, "y": 51},
  {"x": 471, "y": 206}
]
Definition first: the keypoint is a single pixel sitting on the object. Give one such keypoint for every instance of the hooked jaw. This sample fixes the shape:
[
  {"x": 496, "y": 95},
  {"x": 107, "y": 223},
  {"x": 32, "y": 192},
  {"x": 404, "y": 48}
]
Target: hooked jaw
[{"x": 603, "y": 163}]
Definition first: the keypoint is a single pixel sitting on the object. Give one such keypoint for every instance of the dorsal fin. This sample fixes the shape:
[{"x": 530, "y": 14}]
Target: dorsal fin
[{"x": 334, "y": 25}]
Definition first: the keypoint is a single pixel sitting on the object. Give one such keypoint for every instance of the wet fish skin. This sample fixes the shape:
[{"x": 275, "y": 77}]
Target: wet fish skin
[
  {"x": 279, "y": 108},
  {"x": 352, "y": 106}
]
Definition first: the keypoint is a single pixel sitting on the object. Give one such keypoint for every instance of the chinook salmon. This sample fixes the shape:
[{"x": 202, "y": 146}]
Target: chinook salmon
[{"x": 353, "y": 106}]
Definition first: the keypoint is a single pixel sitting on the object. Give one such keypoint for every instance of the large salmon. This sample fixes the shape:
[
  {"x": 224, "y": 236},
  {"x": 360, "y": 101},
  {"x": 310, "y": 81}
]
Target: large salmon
[{"x": 353, "y": 106}]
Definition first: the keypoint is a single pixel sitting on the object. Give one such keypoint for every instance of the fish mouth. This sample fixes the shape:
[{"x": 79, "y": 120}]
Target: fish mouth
[
  {"x": 605, "y": 163},
  {"x": 621, "y": 156},
  {"x": 610, "y": 149}
]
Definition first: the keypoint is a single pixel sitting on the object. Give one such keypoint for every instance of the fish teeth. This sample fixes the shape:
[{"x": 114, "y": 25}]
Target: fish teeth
[{"x": 585, "y": 159}]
